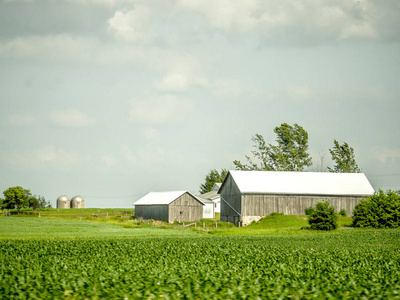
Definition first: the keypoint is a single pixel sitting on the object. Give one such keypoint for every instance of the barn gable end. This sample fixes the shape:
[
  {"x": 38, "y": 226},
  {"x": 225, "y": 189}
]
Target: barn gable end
[
  {"x": 185, "y": 208},
  {"x": 231, "y": 200}
]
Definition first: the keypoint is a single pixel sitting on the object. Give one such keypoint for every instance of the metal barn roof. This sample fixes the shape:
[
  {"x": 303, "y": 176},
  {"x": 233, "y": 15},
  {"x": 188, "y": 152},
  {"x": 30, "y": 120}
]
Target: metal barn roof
[
  {"x": 209, "y": 195},
  {"x": 162, "y": 198},
  {"x": 204, "y": 199},
  {"x": 308, "y": 183}
]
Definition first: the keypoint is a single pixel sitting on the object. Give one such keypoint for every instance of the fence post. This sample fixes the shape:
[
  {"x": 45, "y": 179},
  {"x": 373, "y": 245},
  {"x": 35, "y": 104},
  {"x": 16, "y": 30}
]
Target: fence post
[
  {"x": 183, "y": 225},
  {"x": 204, "y": 225},
  {"x": 39, "y": 215},
  {"x": 216, "y": 225}
]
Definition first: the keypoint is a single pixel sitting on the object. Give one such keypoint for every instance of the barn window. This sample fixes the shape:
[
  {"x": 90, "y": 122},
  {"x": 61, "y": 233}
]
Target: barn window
[{"x": 181, "y": 212}]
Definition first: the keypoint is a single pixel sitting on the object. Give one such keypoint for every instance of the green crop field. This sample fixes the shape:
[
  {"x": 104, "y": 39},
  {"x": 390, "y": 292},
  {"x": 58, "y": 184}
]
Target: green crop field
[
  {"x": 99, "y": 260},
  {"x": 42, "y": 228}
]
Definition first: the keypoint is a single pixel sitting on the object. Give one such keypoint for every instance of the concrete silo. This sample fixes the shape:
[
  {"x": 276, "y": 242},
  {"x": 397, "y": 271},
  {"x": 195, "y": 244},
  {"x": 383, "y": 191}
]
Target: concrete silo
[
  {"x": 78, "y": 202},
  {"x": 63, "y": 202}
]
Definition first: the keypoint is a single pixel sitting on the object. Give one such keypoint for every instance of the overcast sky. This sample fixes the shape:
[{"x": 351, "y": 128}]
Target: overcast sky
[{"x": 113, "y": 99}]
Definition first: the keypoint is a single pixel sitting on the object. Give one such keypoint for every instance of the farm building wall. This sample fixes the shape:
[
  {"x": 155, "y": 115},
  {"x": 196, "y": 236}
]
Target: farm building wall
[
  {"x": 231, "y": 202},
  {"x": 152, "y": 212},
  {"x": 185, "y": 208},
  {"x": 208, "y": 210},
  {"x": 256, "y": 206}
]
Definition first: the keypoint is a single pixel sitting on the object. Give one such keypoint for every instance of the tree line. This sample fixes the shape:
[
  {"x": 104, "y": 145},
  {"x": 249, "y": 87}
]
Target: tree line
[
  {"x": 289, "y": 154},
  {"x": 18, "y": 198}
]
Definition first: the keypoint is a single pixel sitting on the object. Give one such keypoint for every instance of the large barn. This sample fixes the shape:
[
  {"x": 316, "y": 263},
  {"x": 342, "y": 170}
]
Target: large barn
[
  {"x": 247, "y": 196},
  {"x": 169, "y": 207}
]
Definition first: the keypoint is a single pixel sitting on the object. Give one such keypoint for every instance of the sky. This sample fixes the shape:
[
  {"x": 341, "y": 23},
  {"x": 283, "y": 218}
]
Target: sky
[{"x": 112, "y": 99}]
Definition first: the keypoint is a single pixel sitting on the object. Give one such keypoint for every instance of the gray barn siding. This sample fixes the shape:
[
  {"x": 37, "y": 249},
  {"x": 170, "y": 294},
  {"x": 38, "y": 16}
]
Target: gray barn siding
[
  {"x": 232, "y": 195},
  {"x": 261, "y": 205},
  {"x": 152, "y": 212},
  {"x": 191, "y": 209}
]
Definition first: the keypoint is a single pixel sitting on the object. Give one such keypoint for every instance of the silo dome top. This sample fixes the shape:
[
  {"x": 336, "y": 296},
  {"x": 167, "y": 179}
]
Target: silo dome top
[
  {"x": 63, "y": 198},
  {"x": 78, "y": 198}
]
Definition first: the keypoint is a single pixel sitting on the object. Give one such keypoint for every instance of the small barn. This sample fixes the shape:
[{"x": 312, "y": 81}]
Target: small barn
[
  {"x": 247, "y": 196},
  {"x": 179, "y": 206},
  {"x": 213, "y": 196}
]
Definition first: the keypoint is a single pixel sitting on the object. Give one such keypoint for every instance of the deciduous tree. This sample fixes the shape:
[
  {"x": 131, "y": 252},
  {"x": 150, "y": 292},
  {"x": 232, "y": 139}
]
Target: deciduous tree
[
  {"x": 291, "y": 153},
  {"x": 38, "y": 202},
  {"x": 16, "y": 197},
  {"x": 344, "y": 158}
]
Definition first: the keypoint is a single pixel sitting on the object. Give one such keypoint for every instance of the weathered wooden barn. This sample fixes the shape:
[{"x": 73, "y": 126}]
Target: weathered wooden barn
[
  {"x": 169, "y": 207},
  {"x": 247, "y": 196}
]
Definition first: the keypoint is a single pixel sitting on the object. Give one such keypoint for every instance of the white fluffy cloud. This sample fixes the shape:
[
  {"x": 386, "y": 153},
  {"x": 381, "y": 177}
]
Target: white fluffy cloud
[
  {"x": 179, "y": 81},
  {"x": 226, "y": 14},
  {"x": 71, "y": 117},
  {"x": 130, "y": 25},
  {"x": 160, "y": 109},
  {"x": 302, "y": 22},
  {"x": 174, "y": 82}
]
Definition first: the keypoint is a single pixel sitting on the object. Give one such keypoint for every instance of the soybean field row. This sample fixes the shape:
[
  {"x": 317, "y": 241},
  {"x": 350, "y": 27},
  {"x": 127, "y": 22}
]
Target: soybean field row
[{"x": 358, "y": 264}]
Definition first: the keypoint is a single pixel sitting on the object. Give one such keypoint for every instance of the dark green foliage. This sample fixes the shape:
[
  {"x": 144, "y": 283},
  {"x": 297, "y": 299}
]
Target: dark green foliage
[
  {"x": 323, "y": 217},
  {"x": 344, "y": 158},
  {"x": 309, "y": 211},
  {"x": 37, "y": 202},
  {"x": 212, "y": 177},
  {"x": 343, "y": 213},
  {"x": 351, "y": 265},
  {"x": 289, "y": 155},
  {"x": 381, "y": 210},
  {"x": 16, "y": 197},
  {"x": 276, "y": 214}
]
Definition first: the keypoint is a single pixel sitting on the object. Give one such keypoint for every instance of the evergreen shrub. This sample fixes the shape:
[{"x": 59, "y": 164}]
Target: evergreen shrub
[
  {"x": 309, "y": 211},
  {"x": 323, "y": 217},
  {"x": 381, "y": 210}
]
